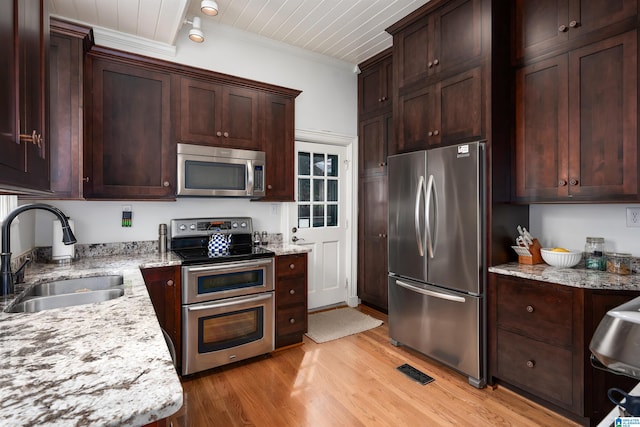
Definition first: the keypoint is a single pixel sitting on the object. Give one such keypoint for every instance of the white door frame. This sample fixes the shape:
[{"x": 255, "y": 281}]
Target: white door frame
[{"x": 351, "y": 202}]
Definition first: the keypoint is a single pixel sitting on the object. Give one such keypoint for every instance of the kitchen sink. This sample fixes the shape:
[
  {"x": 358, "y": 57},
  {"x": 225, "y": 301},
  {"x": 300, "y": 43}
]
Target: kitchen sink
[
  {"x": 69, "y": 286},
  {"x": 32, "y": 305},
  {"x": 69, "y": 292}
]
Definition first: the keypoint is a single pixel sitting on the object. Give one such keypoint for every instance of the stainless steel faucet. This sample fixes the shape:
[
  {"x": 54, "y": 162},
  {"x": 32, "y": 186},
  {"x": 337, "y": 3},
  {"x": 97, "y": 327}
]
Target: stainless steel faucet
[{"x": 5, "y": 256}]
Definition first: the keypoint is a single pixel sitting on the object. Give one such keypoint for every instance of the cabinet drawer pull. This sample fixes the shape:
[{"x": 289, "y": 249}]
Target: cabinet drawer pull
[
  {"x": 562, "y": 28},
  {"x": 531, "y": 363},
  {"x": 530, "y": 309},
  {"x": 573, "y": 182},
  {"x": 169, "y": 282},
  {"x": 165, "y": 184},
  {"x": 292, "y": 320},
  {"x": 292, "y": 291},
  {"x": 292, "y": 266},
  {"x": 562, "y": 183}
]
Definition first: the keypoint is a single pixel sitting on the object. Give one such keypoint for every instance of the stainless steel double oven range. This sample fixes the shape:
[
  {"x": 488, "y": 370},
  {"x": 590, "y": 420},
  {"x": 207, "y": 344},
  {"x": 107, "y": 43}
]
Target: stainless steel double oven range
[{"x": 227, "y": 294}]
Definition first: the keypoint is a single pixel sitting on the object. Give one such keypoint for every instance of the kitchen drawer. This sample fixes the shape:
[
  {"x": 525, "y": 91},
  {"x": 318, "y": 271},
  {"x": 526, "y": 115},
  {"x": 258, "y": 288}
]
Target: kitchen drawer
[
  {"x": 539, "y": 368},
  {"x": 543, "y": 312},
  {"x": 291, "y": 265},
  {"x": 290, "y": 290},
  {"x": 291, "y": 320}
]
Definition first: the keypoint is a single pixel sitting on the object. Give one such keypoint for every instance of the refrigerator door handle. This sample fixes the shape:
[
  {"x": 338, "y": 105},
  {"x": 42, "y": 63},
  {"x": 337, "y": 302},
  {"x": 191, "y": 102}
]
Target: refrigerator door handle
[
  {"x": 431, "y": 242},
  {"x": 427, "y": 292},
  {"x": 420, "y": 190}
]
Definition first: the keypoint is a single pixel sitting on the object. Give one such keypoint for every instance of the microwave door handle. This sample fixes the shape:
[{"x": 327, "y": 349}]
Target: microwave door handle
[
  {"x": 229, "y": 302},
  {"x": 249, "y": 177}
]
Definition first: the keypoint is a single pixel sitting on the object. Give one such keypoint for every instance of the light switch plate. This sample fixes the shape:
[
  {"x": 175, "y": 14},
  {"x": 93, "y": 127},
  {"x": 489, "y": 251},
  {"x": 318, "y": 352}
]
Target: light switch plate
[{"x": 633, "y": 217}]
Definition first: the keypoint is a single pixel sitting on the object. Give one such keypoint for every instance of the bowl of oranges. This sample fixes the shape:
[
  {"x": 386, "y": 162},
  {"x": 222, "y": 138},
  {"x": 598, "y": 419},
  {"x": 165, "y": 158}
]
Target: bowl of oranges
[{"x": 560, "y": 257}]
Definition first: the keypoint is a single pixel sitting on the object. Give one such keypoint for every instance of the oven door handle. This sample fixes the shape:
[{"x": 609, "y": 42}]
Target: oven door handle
[
  {"x": 229, "y": 302},
  {"x": 226, "y": 266}
]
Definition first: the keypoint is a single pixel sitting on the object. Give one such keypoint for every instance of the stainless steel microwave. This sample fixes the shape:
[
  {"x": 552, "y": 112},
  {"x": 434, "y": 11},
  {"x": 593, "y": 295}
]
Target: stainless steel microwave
[{"x": 220, "y": 172}]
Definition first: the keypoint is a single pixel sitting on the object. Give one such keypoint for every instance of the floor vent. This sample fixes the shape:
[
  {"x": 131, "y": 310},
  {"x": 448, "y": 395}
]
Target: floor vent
[{"x": 415, "y": 374}]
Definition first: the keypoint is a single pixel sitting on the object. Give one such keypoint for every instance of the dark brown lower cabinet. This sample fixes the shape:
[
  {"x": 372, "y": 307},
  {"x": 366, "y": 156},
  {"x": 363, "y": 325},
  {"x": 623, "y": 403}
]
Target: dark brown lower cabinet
[
  {"x": 539, "y": 335},
  {"x": 164, "y": 287},
  {"x": 291, "y": 299}
]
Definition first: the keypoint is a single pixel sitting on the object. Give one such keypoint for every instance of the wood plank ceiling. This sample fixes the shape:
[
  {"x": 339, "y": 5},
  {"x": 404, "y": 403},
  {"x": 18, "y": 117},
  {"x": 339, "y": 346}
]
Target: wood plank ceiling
[{"x": 349, "y": 30}]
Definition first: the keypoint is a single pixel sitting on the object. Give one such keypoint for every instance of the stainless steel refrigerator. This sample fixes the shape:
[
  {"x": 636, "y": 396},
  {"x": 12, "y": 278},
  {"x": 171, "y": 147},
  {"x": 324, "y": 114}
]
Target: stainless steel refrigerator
[{"x": 436, "y": 255}]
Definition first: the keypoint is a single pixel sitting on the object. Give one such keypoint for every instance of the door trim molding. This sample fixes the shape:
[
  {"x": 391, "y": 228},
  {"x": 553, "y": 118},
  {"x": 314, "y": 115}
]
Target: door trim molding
[{"x": 323, "y": 137}]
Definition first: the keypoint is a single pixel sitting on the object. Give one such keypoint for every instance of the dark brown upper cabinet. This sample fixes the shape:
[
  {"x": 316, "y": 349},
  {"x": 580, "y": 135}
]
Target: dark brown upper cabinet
[
  {"x": 549, "y": 25},
  {"x": 442, "y": 41},
  {"x": 128, "y": 150},
  {"x": 24, "y": 144},
  {"x": 576, "y": 124},
  {"x": 375, "y": 86},
  {"x": 218, "y": 115}
]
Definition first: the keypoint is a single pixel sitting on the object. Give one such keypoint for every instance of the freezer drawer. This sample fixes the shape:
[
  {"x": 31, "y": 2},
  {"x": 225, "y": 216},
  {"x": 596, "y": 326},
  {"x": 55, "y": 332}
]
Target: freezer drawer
[{"x": 442, "y": 324}]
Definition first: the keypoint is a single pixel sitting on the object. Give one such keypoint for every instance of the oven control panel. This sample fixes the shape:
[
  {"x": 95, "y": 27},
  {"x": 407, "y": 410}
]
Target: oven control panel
[{"x": 192, "y": 227}]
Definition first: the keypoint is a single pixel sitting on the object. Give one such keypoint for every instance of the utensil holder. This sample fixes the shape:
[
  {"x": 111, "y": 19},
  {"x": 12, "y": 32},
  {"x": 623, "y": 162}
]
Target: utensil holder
[{"x": 535, "y": 258}]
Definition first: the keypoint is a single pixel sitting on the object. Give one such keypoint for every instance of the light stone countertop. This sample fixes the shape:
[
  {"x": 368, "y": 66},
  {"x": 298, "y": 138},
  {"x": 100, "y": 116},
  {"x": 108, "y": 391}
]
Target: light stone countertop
[
  {"x": 577, "y": 277},
  {"x": 287, "y": 249},
  {"x": 104, "y": 364}
]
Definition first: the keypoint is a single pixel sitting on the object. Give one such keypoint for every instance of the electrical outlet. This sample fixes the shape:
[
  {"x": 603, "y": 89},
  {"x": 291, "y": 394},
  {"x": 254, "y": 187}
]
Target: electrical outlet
[{"x": 633, "y": 217}]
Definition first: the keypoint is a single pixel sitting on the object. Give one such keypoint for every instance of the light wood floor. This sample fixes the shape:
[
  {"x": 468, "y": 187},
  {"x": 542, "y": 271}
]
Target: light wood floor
[{"x": 352, "y": 381}]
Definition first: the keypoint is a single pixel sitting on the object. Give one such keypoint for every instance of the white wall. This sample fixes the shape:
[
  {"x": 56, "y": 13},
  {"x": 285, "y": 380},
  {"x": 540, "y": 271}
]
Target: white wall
[
  {"x": 568, "y": 226},
  {"x": 328, "y": 102}
]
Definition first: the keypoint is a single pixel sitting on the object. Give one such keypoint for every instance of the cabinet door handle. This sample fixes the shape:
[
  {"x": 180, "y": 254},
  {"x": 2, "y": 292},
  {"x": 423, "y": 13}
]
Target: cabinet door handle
[
  {"x": 169, "y": 282},
  {"x": 436, "y": 132},
  {"x": 269, "y": 187},
  {"x": 436, "y": 62},
  {"x": 292, "y": 266},
  {"x": 218, "y": 133},
  {"x": 226, "y": 134},
  {"x": 531, "y": 363},
  {"x": 430, "y": 133},
  {"x": 430, "y": 64},
  {"x": 530, "y": 309},
  {"x": 562, "y": 28},
  {"x": 573, "y": 182},
  {"x": 292, "y": 320},
  {"x": 562, "y": 183},
  {"x": 166, "y": 184},
  {"x": 574, "y": 24},
  {"x": 85, "y": 179},
  {"x": 292, "y": 291},
  {"x": 382, "y": 164}
]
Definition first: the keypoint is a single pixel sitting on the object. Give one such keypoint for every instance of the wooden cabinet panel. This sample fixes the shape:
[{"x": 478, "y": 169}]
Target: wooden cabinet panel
[
  {"x": 164, "y": 287},
  {"x": 218, "y": 115},
  {"x": 24, "y": 31},
  {"x": 536, "y": 366},
  {"x": 445, "y": 113},
  {"x": 375, "y": 134},
  {"x": 277, "y": 119},
  {"x": 438, "y": 42},
  {"x": 291, "y": 299},
  {"x": 130, "y": 153},
  {"x": 546, "y": 25},
  {"x": 603, "y": 116},
  {"x": 533, "y": 311},
  {"x": 576, "y": 124},
  {"x": 375, "y": 86},
  {"x": 372, "y": 241}
]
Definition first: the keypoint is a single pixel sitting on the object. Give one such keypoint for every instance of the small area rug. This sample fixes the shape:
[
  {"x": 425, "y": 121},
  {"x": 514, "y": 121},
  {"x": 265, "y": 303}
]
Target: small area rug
[{"x": 333, "y": 324}]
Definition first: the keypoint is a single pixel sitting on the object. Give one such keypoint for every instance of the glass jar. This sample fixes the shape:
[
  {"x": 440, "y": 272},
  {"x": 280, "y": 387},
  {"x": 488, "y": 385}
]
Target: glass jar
[
  {"x": 618, "y": 263},
  {"x": 595, "y": 258}
]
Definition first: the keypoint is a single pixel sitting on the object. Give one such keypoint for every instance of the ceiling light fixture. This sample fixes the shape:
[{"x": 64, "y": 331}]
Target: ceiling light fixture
[
  {"x": 195, "y": 33},
  {"x": 209, "y": 7}
]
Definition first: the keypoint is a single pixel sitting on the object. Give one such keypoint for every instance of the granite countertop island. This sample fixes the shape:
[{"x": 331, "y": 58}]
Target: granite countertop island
[
  {"x": 578, "y": 276},
  {"x": 101, "y": 364},
  {"x": 104, "y": 364}
]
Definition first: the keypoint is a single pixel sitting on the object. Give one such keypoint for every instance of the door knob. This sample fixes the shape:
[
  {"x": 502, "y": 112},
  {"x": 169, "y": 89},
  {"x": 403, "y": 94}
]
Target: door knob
[{"x": 295, "y": 238}]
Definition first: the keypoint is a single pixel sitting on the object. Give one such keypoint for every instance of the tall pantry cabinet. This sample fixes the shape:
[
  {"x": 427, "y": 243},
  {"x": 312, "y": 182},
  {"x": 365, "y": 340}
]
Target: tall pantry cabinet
[{"x": 450, "y": 84}]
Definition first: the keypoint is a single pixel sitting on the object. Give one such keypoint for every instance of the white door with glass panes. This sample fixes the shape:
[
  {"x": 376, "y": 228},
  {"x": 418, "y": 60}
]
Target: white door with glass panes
[{"x": 318, "y": 219}]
